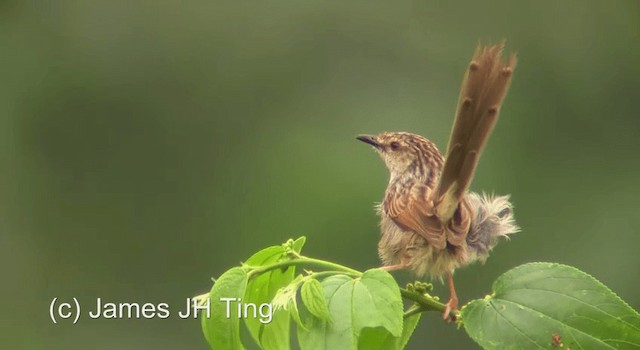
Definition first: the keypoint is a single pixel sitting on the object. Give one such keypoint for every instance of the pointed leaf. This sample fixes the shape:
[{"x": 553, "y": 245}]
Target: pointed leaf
[
  {"x": 408, "y": 327},
  {"x": 380, "y": 339},
  {"x": 377, "y": 339},
  {"x": 298, "y": 244}
]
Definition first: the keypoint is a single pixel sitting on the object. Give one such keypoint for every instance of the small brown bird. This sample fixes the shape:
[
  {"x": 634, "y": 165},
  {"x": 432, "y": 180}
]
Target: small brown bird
[{"x": 430, "y": 222}]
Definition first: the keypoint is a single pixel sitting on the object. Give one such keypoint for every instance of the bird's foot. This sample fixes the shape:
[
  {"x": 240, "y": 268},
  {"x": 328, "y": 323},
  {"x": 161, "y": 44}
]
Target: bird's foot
[{"x": 450, "y": 306}]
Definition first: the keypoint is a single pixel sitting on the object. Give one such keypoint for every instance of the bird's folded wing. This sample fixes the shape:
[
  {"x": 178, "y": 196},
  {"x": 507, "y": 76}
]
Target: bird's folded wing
[
  {"x": 413, "y": 211},
  {"x": 483, "y": 88},
  {"x": 417, "y": 215}
]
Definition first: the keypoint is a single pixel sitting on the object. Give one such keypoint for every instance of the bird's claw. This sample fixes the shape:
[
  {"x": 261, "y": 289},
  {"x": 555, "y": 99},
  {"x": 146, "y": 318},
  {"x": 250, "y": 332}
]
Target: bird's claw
[{"x": 450, "y": 306}]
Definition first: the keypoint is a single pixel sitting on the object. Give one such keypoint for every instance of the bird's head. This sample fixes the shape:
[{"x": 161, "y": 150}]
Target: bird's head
[{"x": 405, "y": 153}]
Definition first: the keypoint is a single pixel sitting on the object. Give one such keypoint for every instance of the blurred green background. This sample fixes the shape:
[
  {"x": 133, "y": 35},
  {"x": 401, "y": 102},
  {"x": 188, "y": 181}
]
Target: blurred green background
[{"x": 147, "y": 146}]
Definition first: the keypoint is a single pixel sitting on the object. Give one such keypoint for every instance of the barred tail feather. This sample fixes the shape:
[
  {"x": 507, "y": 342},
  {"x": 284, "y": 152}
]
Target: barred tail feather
[{"x": 484, "y": 87}]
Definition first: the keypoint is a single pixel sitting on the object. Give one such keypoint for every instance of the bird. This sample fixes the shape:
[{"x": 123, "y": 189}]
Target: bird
[{"x": 430, "y": 222}]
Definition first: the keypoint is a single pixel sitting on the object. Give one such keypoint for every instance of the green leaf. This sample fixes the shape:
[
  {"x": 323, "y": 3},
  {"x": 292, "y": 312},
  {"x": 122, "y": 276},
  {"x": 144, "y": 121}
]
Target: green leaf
[
  {"x": 313, "y": 298},
  {"x": 377, "y": 339},
  {"x": 380, "y": 339},
  {"x": 285, "y": 299},
  {"x": 408, "y": 326},
  {"x": 222, "y": 330},
  {"x": 266, "y": 256},
  {"x": 298, "y": 244},
  {"x": 295, "y": 313},
  {"x": 370, "y": 301},
  {"x": 534, "y": 303},
  {"x": 379, "y": 301},
  {"x": 262, "y": 289}
]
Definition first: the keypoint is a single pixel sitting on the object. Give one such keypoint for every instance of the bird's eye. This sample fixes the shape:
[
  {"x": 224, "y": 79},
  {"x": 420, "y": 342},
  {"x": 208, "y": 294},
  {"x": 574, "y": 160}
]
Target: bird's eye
[{"x": 395, "y": 145}]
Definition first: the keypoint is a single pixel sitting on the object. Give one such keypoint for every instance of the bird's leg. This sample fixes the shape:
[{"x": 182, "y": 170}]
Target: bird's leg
[
  {"x": 404, "y": 263},
  {"x": 452, "y": 304},
  {"x": 395, "y": 267}
]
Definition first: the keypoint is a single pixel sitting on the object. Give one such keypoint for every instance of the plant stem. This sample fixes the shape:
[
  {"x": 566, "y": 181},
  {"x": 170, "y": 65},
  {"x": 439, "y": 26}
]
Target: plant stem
[
  {"x": 322, "y": 274},
  {"x": 303, "y": 260},
  {"x": 415, "y": 309},
  {"x": 424, "y": 302}
]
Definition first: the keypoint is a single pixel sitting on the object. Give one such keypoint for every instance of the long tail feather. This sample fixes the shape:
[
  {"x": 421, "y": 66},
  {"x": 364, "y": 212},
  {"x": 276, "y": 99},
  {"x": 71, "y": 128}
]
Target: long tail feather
[{"x": 483, "y": 89}]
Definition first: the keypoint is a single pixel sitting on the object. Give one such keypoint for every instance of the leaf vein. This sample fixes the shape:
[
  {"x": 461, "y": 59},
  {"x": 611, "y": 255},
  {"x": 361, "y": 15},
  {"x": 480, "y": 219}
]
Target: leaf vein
[
  {"x": 554, "y": 319},
  {"x": 515, "y": 327},
  {"x": 580, "y": 301}
]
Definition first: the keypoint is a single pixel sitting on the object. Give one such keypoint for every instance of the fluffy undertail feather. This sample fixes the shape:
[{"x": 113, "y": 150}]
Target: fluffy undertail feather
[{"x": 494, "y": 219}]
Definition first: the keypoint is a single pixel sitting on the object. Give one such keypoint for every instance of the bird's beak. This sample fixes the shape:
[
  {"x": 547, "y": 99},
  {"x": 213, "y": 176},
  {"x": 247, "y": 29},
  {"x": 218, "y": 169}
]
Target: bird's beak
[{"x": 369, "y": 139}]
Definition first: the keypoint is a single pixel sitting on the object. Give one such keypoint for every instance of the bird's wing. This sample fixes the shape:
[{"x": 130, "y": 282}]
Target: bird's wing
[
  {"x": 412, "y": 210},
  {"x": 483, "y": 88}
]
